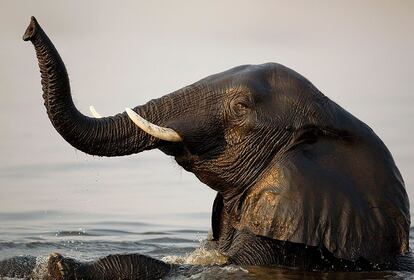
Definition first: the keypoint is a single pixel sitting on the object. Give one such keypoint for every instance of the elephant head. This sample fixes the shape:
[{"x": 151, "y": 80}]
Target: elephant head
[{"x": 287, "y": 162}]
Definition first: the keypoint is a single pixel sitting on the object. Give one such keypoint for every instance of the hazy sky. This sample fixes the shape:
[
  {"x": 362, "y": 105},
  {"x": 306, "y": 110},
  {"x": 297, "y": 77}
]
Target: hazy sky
[{"x": 359, "y": 53}]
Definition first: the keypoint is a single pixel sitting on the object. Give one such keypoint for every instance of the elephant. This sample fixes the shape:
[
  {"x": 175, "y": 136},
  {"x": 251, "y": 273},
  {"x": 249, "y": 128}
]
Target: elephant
[{"x": 300, "y": 181}]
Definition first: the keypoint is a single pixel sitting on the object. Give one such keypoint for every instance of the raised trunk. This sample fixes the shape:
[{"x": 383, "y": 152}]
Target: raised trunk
[{"x": 109, "y": 136}]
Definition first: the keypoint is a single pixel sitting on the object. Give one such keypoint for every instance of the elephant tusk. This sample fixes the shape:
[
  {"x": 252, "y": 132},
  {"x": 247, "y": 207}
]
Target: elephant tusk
[
  {"x": 159, "y": 132},
  {"x": 94, "y": 113}
]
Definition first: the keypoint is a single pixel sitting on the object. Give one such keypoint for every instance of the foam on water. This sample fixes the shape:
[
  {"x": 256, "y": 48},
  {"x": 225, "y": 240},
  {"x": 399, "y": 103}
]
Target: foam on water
[
  {"x": 200, "y": 256},
  {"x": 40, "y": 270}
]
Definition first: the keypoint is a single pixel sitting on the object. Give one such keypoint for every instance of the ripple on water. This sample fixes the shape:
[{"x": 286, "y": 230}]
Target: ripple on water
[{"x": 90, "y": 240}]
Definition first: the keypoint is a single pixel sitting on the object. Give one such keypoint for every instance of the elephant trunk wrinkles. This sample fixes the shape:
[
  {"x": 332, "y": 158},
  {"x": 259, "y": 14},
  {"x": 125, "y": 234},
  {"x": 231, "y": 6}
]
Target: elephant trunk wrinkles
[{"x": 110, "y": 136}]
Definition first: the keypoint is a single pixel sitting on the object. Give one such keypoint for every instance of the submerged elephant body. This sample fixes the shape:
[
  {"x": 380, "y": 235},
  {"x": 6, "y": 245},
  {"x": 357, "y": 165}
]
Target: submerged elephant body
[{"x": 300, "y": 181}]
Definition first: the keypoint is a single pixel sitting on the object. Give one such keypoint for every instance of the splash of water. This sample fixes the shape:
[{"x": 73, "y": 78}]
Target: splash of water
[
  {"x": 200, "y": 256},
  {"x": 40, "y": 270}
]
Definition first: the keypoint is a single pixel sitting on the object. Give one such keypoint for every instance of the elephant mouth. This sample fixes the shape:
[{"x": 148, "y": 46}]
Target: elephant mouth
[{"x": 184, "y": 161}]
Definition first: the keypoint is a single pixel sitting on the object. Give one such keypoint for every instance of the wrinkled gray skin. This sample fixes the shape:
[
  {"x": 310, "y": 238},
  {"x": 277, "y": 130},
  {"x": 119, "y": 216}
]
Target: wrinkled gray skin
[{"x": 300, "y": 181}]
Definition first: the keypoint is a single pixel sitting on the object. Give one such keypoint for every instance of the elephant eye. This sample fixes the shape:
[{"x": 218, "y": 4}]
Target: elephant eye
[{"x": 240, "y": 106}]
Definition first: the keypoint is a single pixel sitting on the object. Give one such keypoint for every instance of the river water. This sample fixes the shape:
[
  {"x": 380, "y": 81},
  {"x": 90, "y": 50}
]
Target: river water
[{"x": 89, "y": 236}]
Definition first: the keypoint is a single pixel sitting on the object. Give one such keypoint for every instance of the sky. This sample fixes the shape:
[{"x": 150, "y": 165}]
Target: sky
[{"x": 358, "y": 53}]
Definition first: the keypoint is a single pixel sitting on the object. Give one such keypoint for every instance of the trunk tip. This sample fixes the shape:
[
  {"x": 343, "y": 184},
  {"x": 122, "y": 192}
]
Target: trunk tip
[{"x": 31, "y": 29}]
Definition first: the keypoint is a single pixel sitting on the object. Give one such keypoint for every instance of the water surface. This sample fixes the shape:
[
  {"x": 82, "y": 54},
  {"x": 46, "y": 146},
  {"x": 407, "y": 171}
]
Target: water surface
[{"x": 89, "y": 236}]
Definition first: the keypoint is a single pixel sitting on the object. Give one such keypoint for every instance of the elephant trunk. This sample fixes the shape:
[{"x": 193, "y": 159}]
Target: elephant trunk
[{"x": 109, "y": 136}]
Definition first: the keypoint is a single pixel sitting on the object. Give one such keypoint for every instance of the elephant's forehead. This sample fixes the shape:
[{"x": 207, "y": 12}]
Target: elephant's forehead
[{"x": 250, "y": 75}]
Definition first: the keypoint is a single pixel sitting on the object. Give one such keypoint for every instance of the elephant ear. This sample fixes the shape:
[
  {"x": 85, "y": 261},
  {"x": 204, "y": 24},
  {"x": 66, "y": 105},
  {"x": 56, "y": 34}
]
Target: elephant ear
[{"x": 332, "y": 196}]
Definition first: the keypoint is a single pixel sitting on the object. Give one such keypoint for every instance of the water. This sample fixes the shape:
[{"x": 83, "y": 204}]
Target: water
[{"x": 89, "y": 236}]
